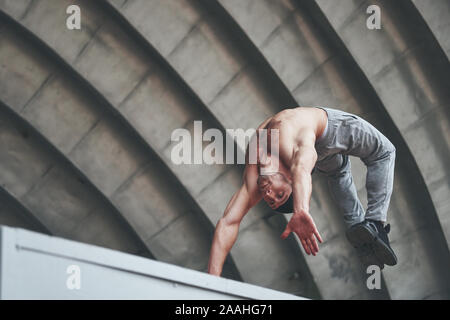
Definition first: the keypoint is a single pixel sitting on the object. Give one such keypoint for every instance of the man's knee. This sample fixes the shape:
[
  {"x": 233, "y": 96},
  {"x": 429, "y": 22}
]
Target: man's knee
[
  {"x": 391, "y": 148},
  {"x": 385, "y": 153},
  {"x": 391, "y": 152}
]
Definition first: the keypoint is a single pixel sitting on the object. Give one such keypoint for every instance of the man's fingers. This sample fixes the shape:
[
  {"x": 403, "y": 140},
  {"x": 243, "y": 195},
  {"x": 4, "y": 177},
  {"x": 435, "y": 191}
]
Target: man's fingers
[
  {"x": 286, "y": 232},
  {"x": 311, "y": 247},
  {"x": 316, "y": 233},
  {"x": 305, "y": 246},
  {"x": 314, "y": 243}
]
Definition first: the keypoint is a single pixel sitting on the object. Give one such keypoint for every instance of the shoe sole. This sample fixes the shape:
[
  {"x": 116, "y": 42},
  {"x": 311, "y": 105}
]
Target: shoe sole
[
  {"x": 360, "y": 235},
  {"x": 367, "y": 256}
]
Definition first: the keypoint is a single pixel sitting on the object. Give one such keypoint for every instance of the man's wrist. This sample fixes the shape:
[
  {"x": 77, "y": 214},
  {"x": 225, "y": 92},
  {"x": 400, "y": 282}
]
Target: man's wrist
[
  {"x": 214, "y": 269},
  {"x": 301, "y": 201},
  {"x": 301, "y": 211},
  {"x": 214, "y": 272}
]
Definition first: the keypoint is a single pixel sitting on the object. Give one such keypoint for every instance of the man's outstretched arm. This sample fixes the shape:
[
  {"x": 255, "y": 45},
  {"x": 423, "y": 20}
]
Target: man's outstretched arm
[
  {"x": 228, "y": 226},
  {"x": 303, "y": 159}
]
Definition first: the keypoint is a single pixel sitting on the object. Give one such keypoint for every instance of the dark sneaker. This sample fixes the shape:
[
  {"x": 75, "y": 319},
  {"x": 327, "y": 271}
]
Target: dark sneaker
[
  {"x": 371, "y": 236},
  {"x": 367, "y": 256}
]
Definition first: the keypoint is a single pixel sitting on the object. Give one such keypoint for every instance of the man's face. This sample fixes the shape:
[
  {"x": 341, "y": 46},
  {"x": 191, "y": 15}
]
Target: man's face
[{"x": 275, "y": 190}]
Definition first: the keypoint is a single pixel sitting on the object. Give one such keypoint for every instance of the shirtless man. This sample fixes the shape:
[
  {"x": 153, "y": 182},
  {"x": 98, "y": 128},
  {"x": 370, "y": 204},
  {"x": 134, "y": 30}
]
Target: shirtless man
[{"x": 310, "y": 139}]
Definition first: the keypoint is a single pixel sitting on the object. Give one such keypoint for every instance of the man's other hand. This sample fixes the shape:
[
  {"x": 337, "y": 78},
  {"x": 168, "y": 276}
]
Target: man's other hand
[{"x": 303, "y": 225}]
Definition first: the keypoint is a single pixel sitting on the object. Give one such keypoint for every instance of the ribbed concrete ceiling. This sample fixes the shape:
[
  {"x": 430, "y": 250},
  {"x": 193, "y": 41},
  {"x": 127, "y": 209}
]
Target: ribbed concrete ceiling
[{"x": 99, "y": 105}]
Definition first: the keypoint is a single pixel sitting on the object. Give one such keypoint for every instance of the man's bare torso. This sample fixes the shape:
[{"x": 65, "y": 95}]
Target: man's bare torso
[
  {"x": 297, "y": 119},
  {"x": 293, "y": 123}
]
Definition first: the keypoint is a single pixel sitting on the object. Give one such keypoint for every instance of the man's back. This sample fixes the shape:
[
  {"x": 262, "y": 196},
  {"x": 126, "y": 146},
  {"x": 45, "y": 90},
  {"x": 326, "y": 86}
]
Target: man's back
[{"x": 296, "y": 119}]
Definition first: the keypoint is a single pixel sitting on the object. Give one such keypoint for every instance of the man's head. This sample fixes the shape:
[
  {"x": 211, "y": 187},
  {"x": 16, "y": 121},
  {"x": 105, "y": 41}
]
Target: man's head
[{"x": 276, "y": 190}]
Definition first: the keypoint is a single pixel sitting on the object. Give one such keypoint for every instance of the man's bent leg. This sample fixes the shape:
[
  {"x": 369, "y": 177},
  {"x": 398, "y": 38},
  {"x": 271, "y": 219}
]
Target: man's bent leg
[
  {"x": 379, "y": 184},
  {"x": 372, "y": 234},
  {"x": 340, "y": 181},
  {"x": 337, "y": 168}
]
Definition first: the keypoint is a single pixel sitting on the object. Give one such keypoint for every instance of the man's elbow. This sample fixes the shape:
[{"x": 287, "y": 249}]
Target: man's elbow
[
  {"x": 226, "y": 232},
  {"x": 225, "y": 224}
]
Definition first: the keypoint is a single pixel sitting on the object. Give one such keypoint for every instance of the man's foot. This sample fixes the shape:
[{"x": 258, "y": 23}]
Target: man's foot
[
  {"x": 367, "y": 256},
  {"x": 371, "y": 240}
]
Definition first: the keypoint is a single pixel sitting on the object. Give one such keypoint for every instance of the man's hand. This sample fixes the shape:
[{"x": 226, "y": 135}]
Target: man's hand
[{"x": 303, "y": 225}]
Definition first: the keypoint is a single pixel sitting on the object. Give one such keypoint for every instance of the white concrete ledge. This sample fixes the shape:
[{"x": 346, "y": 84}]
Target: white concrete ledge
[{"x": 35, "y": 266}]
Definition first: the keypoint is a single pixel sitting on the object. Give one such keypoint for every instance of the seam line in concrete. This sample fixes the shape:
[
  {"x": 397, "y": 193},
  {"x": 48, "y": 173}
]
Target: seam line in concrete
[
  {"x": 313, "y": 72},
  {"x": 86, "y": 45},
  {"x": 37, "y": 92},
  {"x": 229, "y": 82},
  {"x": 28, "y": 9},
  {"x": 184, "y": 39}
]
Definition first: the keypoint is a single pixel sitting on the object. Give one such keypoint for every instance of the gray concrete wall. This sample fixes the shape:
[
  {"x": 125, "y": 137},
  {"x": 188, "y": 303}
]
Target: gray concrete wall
[
  {"x": 409, "y": 72},
  {"x": 105, "y": 149},
  {"x": 70, "y": 270},
  {"x": 99, "y": 105}
]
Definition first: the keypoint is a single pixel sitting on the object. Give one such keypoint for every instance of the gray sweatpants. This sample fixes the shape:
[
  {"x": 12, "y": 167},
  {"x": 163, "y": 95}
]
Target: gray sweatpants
[{"x": 347, "y": 134}]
